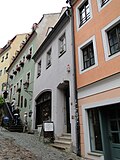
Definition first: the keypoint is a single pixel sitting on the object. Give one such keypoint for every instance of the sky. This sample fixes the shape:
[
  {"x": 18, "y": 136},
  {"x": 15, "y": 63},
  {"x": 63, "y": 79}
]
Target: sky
[{"x": 18, "y": 16}]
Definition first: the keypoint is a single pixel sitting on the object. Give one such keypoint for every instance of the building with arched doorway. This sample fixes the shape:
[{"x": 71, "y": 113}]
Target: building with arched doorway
[{"x": 54, "y": 91}]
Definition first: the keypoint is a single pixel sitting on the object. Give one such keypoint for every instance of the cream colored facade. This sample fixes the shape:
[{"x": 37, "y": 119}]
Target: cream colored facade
[{"x": 7, "y": 55}]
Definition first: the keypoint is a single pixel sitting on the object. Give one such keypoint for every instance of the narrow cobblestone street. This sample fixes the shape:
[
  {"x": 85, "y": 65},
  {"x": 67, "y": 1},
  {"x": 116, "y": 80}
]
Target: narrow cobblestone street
[{"x": 23, "y": 146}]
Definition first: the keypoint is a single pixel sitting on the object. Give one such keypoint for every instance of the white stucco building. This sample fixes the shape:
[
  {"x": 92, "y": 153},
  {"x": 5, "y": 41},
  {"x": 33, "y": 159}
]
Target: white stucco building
[{"x": 54, "y": 91}]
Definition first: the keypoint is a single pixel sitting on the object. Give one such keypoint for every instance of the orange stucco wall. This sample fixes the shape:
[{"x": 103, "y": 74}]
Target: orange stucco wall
[{"x": 93, "y": 27}]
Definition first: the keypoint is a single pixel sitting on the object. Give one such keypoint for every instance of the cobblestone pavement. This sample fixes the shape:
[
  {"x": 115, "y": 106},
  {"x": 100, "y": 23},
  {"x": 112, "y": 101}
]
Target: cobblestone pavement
[{"x": 23, "y": 146}]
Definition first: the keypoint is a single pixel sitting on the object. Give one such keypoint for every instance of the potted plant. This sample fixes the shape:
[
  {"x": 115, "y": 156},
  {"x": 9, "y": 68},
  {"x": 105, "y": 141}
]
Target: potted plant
[
  {"x": 21, "y": 63},
  {"x": 18, "y": 68},
  {"x": 26, "y": 84},
  {"x": 28, "y": 56},
  {"x": 11, "y": 76},
  {"x": 14, "y": 72},
  {"x": 19, "y": 90}
]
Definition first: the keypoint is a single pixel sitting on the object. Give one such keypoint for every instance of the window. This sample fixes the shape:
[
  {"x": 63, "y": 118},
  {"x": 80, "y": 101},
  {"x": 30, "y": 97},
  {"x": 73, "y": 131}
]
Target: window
[
  {"x": 84, "y": 13},
  {"x": 62, "y": 44},
  {"x": 49, "y": 58},
  {"x": 95, "y": 130},
  {"x": 14, "y": 89},
  {"x": 2, "y": 59},
  {"x": 21, "y": 83},
  {"x": 5, "y": 70},
  {"x": 28, "y": 77},
  {"x": 17, "y": 85},
  {"x": 23, "y": 58},
  {"x": 30, "y": 50},
  {"x": 21, "y": 104},
  {"x": 39, "y": 69},
  {"x": 25, "y": 102},
  {"x": 111, "y": 39},
  {"x": 114, "y": 39},
  {"x": 6, "y": 56},
  {"x": 87, "y": 53},
  {"x": 0, "y": 72},
  {"x": 88, "y": 56},
  {"x": 103, "y": 2}
]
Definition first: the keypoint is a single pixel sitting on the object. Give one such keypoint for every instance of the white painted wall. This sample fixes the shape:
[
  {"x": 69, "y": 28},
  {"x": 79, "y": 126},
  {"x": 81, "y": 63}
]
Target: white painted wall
[{"x": 50, "y": 79}]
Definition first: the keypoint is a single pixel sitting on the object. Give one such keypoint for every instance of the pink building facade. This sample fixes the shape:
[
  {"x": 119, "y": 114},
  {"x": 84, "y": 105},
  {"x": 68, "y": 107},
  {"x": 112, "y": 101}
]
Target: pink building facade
[{"x": 97, "y": 57}]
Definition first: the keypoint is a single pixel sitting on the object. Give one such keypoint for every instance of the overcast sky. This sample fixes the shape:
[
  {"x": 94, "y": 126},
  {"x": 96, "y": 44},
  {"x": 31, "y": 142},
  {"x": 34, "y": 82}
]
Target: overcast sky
[{"x": 17, "y": 16}]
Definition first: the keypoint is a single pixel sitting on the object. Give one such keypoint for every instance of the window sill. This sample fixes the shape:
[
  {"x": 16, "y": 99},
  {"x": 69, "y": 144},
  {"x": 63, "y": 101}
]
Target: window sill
[
  {"x": 38, "y": 75},
  {"x": 48, "y": 66},
  {"x": 61, "y": 53},
  {"x": 95, "y": 154}
]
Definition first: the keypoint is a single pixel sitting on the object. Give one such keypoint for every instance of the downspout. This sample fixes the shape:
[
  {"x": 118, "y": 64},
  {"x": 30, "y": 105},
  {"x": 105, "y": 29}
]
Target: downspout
[{"x": 78, "y": 150}]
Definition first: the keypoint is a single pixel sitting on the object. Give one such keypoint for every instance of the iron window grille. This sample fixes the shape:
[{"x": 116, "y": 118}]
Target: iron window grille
[{"x": 114, "y": 39}]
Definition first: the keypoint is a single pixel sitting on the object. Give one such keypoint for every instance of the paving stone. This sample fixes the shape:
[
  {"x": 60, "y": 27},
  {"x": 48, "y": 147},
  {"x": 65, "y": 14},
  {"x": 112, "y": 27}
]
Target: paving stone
[{"x": 23, "y": 146}]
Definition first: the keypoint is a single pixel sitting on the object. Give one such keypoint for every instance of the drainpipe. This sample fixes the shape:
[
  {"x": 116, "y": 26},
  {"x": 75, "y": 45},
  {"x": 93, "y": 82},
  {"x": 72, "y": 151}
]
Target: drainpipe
[{"x": 78, "y": 151}]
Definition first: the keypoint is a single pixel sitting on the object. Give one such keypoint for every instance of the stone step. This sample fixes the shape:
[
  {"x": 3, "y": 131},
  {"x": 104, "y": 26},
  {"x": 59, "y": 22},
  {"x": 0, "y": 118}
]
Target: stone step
[
  {"x": 17, "y": 128},
  {"x": 66, "y": 134},
  {"x": 60, "y": 146},
  {"x": 65, "y": 138},
  {"x": 62, "y": 142}
]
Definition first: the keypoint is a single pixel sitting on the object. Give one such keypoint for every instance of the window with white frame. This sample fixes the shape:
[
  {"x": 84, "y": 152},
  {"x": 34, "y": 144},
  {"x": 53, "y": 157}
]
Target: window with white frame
[
  {"x": 23, "y": 58},
  {"x": 114, "y": 39},
  {"x": 2, "y": 59},
  {"x": 1, "y": 72},
  {"x": 14, "y": 90},
  {"x": 84, "y": 12},
  {"x": 17, "y": 85},
  {"x": 62, "y": 44},
  {"x": 6, "y": 56},
  {"x": 21, "y": 83},
  {"x": 49, "y": 58},
  {"x": 111, "y": 39},
  {"x": 5, "y": 70},
  {"x": 102, "y": 3},
  {"x": 39, "y": 69},
  {"x": 87, "y": 55},
  {"x": 30, "y": 50},
  {"x": 28, "y": 77}
]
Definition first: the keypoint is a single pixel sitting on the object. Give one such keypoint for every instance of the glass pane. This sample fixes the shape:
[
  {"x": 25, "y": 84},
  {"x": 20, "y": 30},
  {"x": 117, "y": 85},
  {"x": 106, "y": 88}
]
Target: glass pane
[
  {"x": 112, "y": 114},
  {"x": 114, "y": 49},
  {"x": 115, "y": 138},
  {"x": 118, "y": 113},
  {"x": 96, "y": 130},
  {"x": 113, "y": 125},
  {"x": 92, "y": 61},
  {"x": 113, "y": 40},
  {"x": 119, "y": 125}
]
